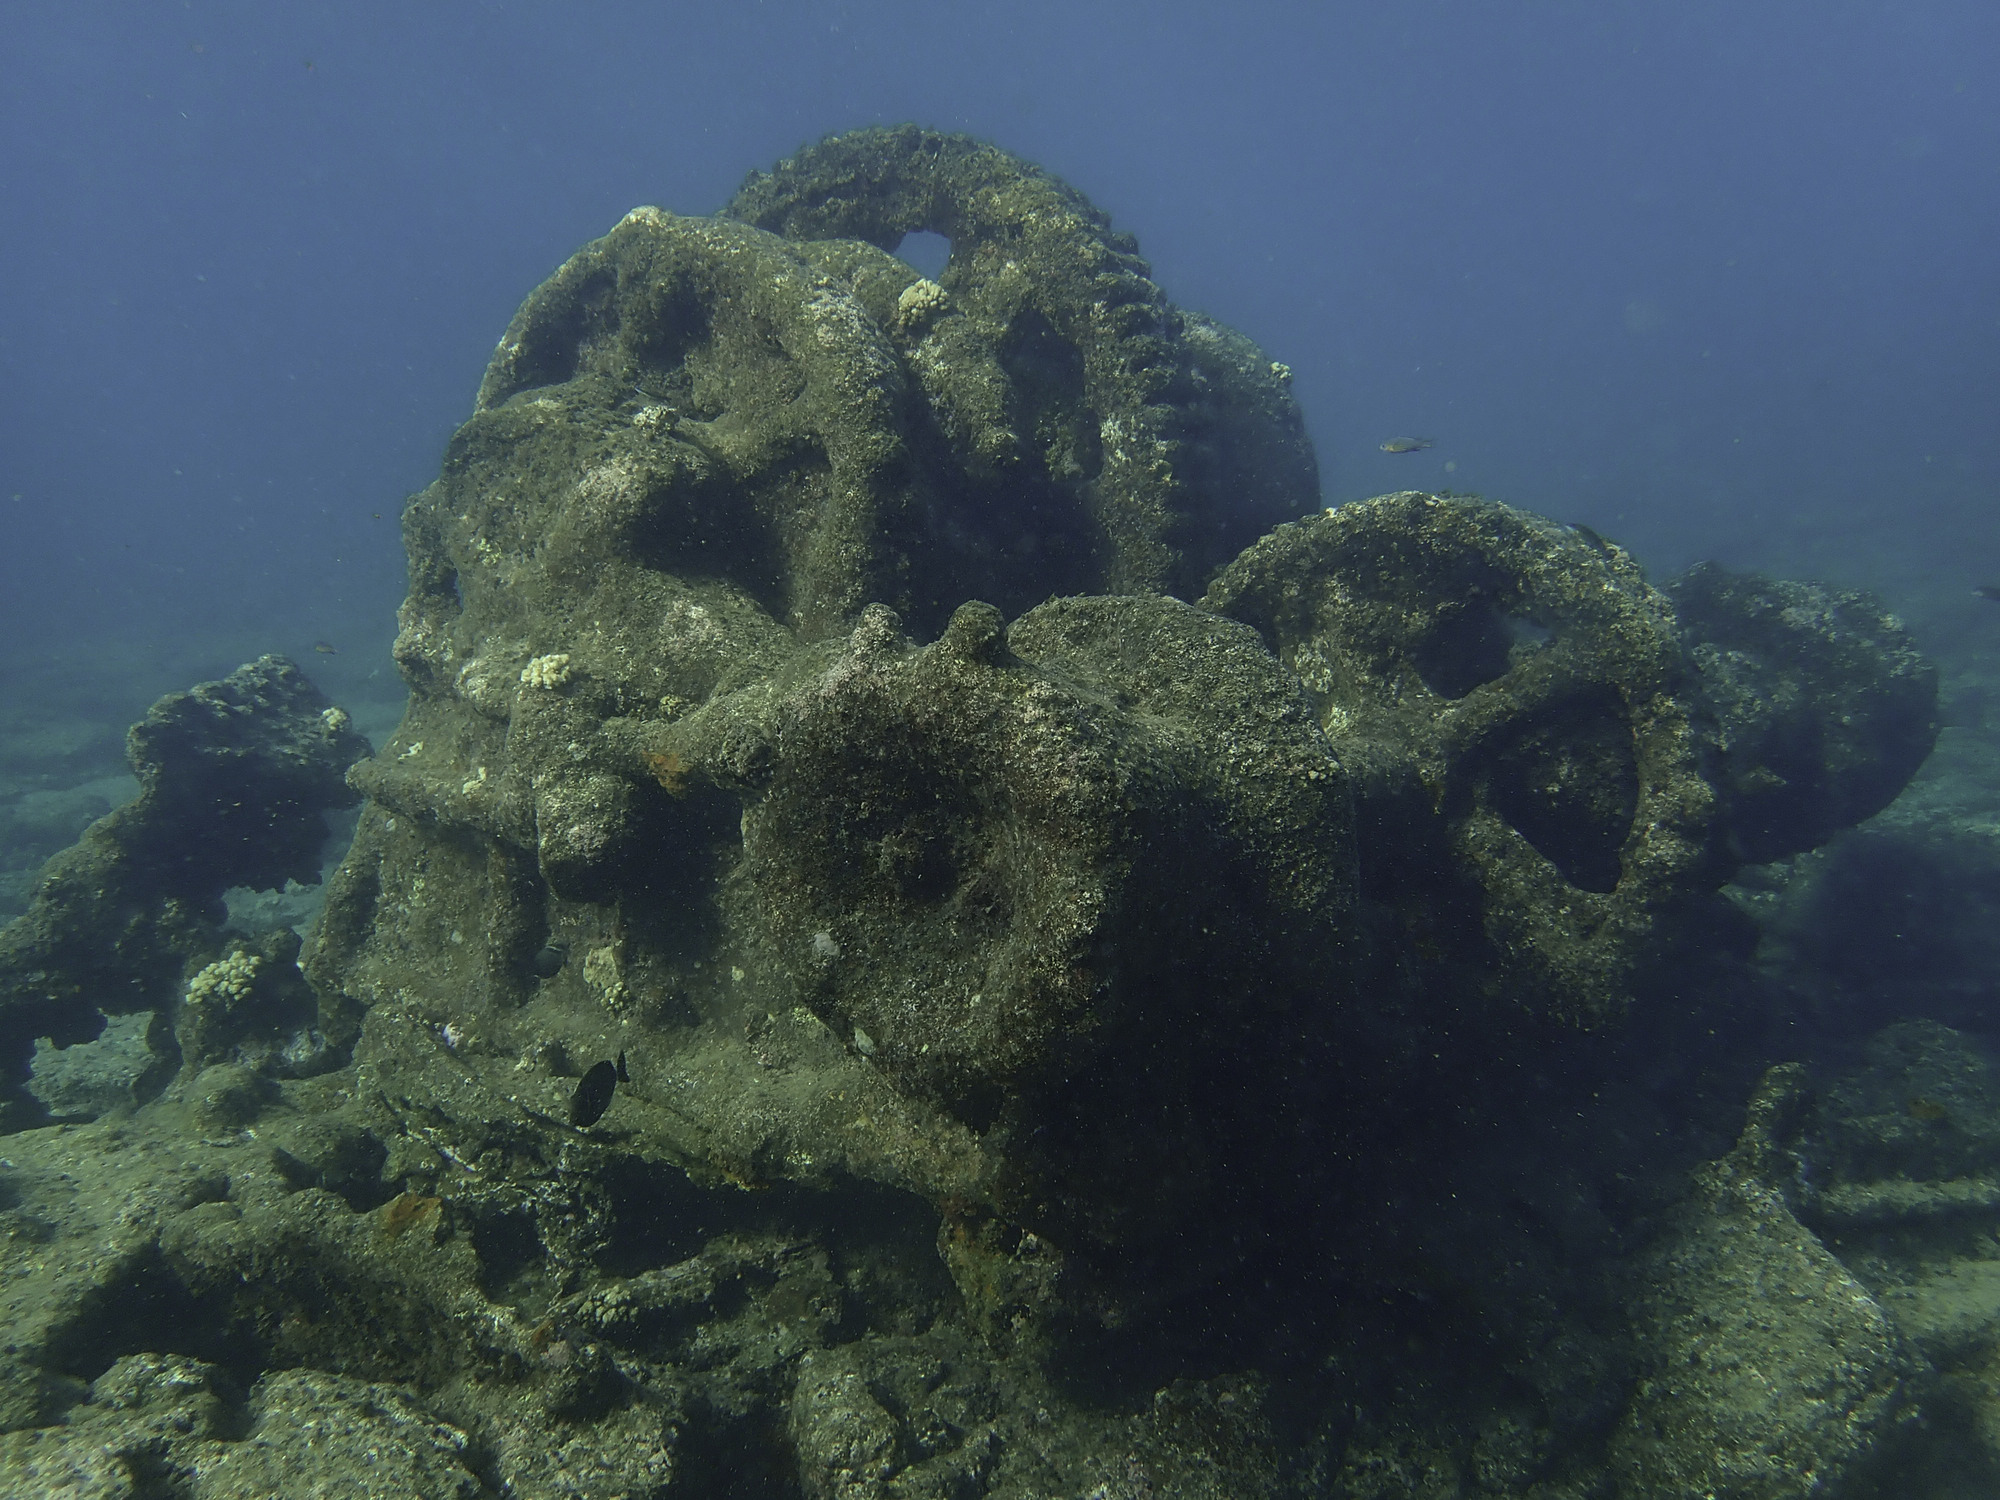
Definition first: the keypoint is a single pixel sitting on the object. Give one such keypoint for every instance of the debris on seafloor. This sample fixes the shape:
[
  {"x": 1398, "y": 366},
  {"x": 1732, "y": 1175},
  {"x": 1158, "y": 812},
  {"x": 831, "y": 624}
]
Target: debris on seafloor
[{"x": 407, "y": 1210}]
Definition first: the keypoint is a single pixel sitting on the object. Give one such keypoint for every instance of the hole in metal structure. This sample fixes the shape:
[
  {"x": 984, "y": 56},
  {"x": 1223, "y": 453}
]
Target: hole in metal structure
[{"x": 925, "y": 251}]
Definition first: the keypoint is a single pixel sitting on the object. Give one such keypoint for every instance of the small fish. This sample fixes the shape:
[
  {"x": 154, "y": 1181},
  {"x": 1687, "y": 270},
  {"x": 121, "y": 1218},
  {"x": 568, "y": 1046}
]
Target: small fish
[
  {"x": 593, "y": 1095},
  {"x": 1406, "y": 445},
  {"x": 1590, "y": 536},
  {"x": 1989, "y": 591},
  {"x": 326, "y": 648}
]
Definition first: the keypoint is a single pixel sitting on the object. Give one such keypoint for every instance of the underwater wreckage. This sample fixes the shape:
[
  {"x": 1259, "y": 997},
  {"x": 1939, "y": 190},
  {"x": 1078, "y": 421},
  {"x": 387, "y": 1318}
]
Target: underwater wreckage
[{"x": 1133, "y": 985}]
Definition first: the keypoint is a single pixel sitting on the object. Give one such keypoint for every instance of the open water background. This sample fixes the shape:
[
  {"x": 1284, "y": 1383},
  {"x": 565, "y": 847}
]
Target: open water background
[{"x": 1715, "y": 279}]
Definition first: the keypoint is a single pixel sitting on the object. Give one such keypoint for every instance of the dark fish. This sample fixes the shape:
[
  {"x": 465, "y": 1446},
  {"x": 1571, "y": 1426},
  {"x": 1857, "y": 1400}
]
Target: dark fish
[
  {"x": 623, "y": 1076},
  {"x": 593, "y": 1095},
  {"x": 548, "y": 963},
  {"x": 1406, "y": 445},
  {"x": 1590, "y": 536},
  {"x": 1989, "y": 591}
]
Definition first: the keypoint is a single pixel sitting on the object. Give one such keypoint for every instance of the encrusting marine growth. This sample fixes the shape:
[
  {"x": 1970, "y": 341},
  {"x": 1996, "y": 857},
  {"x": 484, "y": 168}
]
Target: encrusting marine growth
[{"x": 1097, "y": 939}]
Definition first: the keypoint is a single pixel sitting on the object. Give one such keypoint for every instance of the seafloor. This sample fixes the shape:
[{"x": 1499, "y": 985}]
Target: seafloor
[{"x": 912, "y": 918}]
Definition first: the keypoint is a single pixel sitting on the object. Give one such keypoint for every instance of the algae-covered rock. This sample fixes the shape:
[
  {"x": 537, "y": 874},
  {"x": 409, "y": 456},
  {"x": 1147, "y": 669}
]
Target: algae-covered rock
[
  {"x": 985, "y": 855},
  {"x": 160, "y": 1420},
  {"x": 1892, "y": 1159},
  {"x": 975, "y": 879},
  {"x": 1772, "y": 1371},
  {"x": 662, "y": 725},
  {"x": 313, "y": 1434},
  {"x": 252, "y": 1007},
  {"x": 1818, "y": 707},
  {"x": 701, "y": 443},
  {"x": 696, "y": 399},
  {"x": 1509, "y": 696},
  {"x": 1900, "y": 917},
  {"x": 118, "y": 1067},
  {"x": 937, "y": 1415},
  {"x": 1004, "y": 866},
  {"x": 149, "y": 1416},
  {"x": 235, "y": 779},
  {"x": 1161, "y": 441},
  {"x": 1918, "y": 1122},
  {"x": 571, "y": 1325},
  {"x": 844, "y": 986}
]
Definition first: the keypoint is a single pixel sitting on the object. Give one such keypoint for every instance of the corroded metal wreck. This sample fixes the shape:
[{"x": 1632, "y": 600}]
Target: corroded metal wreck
[{"x": 1118, "y": 966}]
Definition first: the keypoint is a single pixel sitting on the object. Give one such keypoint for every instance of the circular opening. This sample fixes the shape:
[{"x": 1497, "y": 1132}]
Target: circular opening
[{"x": 925, "y": 251}]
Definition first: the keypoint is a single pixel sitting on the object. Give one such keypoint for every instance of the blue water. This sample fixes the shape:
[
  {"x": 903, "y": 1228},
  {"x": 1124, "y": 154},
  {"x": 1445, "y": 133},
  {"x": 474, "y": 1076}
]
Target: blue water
[{"x": 1716, "y": 279}]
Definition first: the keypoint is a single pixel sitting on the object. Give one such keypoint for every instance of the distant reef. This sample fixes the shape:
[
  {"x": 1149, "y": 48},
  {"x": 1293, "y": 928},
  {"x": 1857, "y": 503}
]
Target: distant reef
[{"x": 937, "y": 927}]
